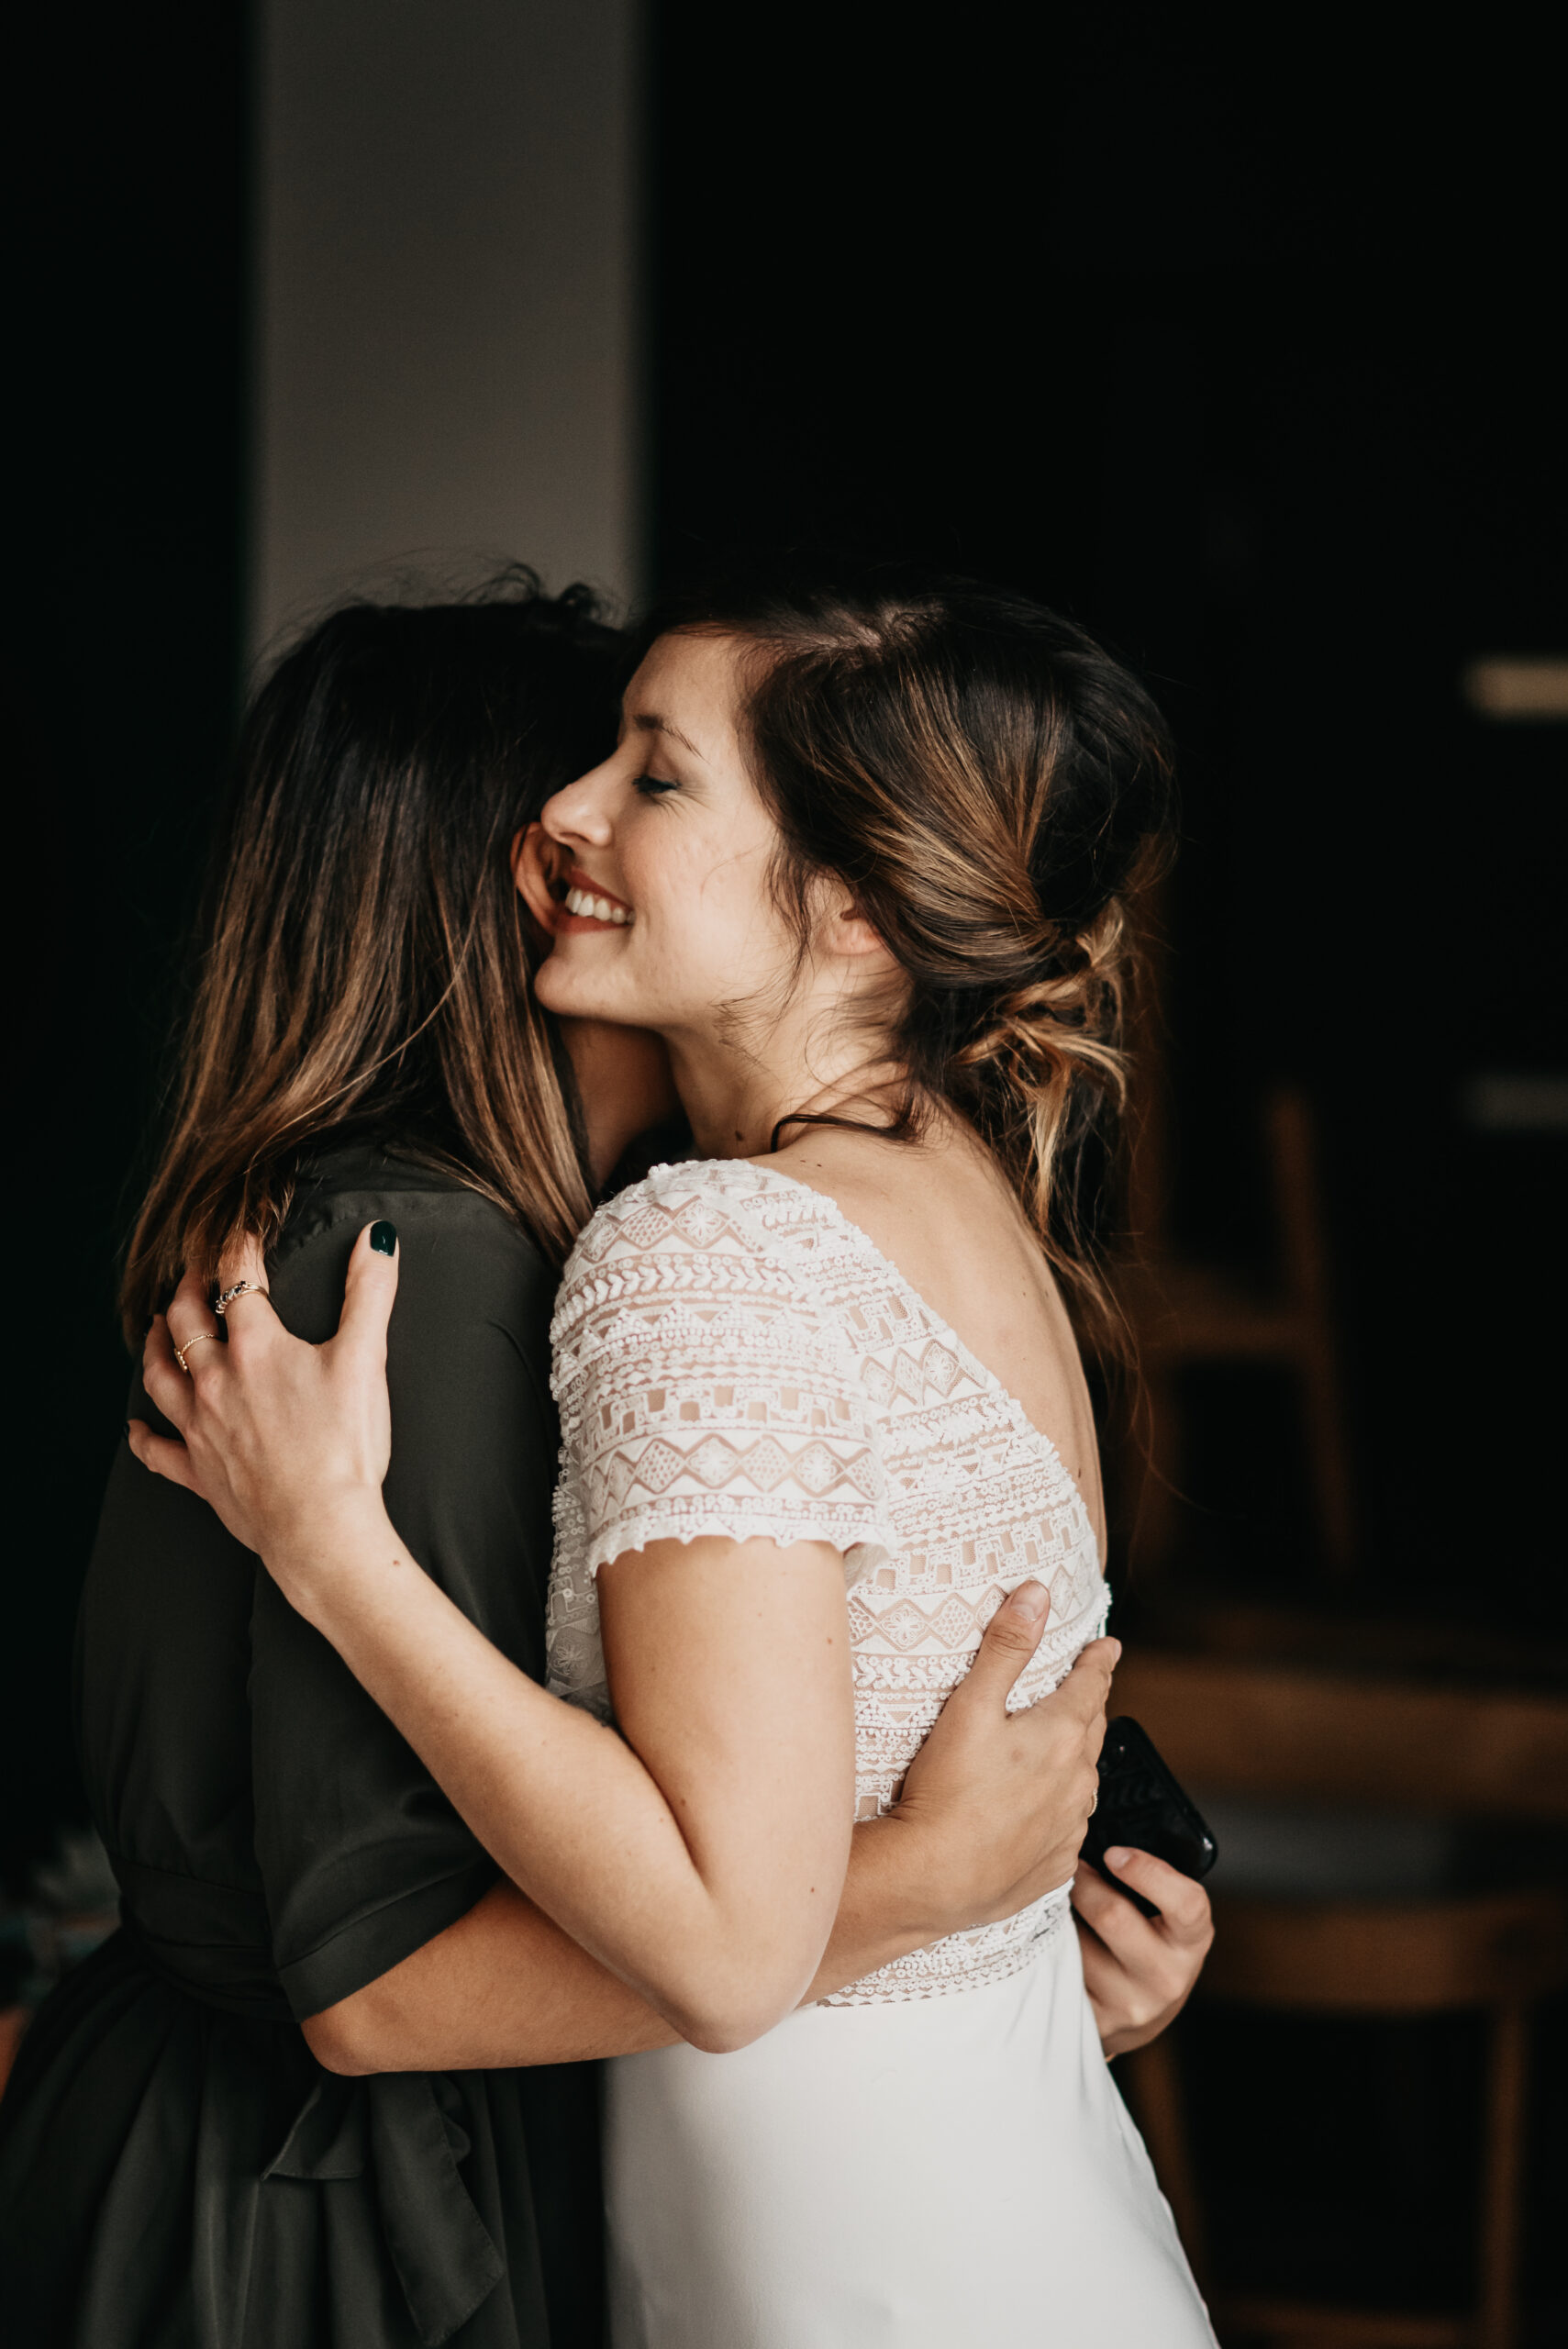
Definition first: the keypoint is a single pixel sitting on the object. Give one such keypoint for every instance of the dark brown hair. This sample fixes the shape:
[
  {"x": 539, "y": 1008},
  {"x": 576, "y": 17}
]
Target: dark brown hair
[
  {"x": 364, "y": 965},
  {"x": 990, "y": 784}
]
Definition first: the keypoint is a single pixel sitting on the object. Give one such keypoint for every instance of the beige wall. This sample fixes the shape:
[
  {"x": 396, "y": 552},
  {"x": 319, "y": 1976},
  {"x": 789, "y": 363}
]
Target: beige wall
[{"x": 445, "y": 365}]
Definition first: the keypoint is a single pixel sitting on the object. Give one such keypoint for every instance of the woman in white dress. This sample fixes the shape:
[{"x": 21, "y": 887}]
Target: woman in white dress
[{"x": 860, "y": 860}]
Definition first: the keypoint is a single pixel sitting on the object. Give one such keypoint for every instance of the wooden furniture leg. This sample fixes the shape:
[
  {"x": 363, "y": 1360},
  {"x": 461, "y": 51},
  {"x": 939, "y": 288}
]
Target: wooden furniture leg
[
  {"x": 14, "y": 2021},
  {"x": 1298, "y": 1205},
  {"x": 1155, "y": 1443},
  {"x": 1502, "y": 2186}
]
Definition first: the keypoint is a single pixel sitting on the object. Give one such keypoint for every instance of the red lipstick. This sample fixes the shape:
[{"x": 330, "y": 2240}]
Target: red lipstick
[{"x": 566, "y": 922}]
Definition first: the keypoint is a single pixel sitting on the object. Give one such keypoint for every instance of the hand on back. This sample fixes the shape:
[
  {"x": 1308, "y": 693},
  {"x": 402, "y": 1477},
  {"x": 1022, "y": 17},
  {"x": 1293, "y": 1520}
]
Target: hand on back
[
  {"x": 1003, "y": 1799},
  {"x": 276, "y": 1435}
]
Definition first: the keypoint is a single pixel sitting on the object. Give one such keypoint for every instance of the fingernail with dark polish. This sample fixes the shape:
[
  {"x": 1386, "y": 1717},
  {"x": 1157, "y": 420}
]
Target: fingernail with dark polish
[{"x": 384, "y": 1239}]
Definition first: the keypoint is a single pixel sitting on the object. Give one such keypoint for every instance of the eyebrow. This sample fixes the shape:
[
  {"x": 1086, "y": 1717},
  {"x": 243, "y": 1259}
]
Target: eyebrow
[{"x": 649, "y": 722}]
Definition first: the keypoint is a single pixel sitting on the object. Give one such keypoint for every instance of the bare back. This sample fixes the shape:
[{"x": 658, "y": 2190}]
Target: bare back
[{"x": 942, "y": 1212}]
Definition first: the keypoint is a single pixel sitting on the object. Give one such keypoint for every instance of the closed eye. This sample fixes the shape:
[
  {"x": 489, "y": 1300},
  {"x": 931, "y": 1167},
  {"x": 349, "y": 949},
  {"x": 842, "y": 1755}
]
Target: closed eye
[{"x": 652, "y": 787}]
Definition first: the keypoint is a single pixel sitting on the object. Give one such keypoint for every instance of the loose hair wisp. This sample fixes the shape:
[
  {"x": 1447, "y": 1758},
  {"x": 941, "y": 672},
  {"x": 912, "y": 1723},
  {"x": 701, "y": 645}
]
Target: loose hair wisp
[{"x": 991, "y": 784}]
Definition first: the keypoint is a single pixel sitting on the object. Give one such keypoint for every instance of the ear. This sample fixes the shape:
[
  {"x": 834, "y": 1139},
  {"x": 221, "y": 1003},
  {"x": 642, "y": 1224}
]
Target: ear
[
  {"x": 849, "y": 934},
  {"x": 533, "y": 852}
]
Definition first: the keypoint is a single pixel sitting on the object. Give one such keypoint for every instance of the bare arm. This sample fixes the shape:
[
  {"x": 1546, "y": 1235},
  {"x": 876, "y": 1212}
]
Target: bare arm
[
  {"x": 977, "y": 1835},
  {"x": 645, "y": 1850},
  {"x": 992, "y": 1817},
  {"x": 700, "y": 1856}
]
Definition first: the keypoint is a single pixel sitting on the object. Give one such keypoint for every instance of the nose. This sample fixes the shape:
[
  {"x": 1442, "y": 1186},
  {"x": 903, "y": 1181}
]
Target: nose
[{"x": 580, "y": 813}]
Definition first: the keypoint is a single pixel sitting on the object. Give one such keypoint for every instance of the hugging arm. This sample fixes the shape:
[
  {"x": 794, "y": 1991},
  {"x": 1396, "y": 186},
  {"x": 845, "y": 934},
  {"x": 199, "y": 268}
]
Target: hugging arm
[
  {"x": 363, "y": 1862},
  {"x": 992, "y": 1816},
  {"x": 653, "y": 1861},
  {"x": 502, "y": 1983}
]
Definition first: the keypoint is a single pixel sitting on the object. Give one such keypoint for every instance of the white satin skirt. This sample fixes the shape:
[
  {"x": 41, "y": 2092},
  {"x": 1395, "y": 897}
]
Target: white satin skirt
[{"x": 958, "y": 2170}]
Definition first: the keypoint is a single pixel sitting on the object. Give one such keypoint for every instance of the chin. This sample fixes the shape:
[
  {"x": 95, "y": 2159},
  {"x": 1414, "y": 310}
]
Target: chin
[{"x": 573, "y": 995}]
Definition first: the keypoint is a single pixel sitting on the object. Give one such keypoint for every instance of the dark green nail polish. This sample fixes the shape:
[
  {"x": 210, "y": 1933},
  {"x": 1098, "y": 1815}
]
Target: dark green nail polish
[{"x": 384, "y": 1239}]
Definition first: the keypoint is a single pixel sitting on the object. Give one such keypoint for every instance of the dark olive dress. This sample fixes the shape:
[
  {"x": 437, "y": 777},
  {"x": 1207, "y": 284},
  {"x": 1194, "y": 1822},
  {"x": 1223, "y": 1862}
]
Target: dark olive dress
[{"x": 176, "y": 2171}]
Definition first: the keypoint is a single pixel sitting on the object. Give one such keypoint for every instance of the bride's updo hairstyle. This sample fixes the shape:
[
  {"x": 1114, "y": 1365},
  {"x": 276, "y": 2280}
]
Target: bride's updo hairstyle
[{"x": 991, "y": 784}]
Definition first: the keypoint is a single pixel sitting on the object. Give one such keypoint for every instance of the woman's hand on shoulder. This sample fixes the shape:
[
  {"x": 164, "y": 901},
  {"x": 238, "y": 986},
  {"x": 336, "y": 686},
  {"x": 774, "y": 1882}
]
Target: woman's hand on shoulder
[
  {"x": 1003, "y": 1799},
  {"x": 1140, "y": 1971},
  {"x": 279, "y": 1437}
]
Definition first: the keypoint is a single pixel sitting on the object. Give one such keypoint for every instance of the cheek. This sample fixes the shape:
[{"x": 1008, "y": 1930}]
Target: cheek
[
  {"x": 707, "y": 926},
  {"x": 711, "y": 892},
  {"x": 706, "y": 947}
]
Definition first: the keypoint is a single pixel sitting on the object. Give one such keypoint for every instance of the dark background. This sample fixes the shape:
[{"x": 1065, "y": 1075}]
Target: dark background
[
  {"x": 132, "y": 133},
  {"x": 1242, "y": 348},
  {"x": 1244, "y": 351},
  {"x": 1239, "y": 342}
]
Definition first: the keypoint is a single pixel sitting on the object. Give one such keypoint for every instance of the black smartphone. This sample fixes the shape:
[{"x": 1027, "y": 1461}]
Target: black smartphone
[{"x": 1142, "y": 1804}]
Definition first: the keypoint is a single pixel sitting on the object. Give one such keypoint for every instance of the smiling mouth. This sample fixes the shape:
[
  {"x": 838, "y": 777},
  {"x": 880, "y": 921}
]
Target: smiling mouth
[{"x": 583, "y": 900}]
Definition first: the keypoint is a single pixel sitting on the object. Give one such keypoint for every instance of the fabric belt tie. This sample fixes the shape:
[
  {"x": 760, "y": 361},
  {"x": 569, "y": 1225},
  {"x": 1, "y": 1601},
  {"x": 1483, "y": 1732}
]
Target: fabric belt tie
[
  {"x": 401, "y": 2131},
  {"x": 404, "y": 2129}
]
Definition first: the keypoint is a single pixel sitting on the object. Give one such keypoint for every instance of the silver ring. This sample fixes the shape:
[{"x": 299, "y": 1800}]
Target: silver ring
[{"x": 241, "y": 1289}]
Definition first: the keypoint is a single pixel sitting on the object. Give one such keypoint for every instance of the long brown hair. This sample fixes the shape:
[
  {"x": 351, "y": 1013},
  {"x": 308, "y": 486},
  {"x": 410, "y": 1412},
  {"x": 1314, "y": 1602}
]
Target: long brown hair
[
  {"x": 364, "y": 965},
  {"x": 991, "y": 784}
]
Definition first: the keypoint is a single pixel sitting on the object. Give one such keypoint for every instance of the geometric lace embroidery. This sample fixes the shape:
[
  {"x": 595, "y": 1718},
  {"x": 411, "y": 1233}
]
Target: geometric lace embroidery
[{"x": 733, "y": 1357}]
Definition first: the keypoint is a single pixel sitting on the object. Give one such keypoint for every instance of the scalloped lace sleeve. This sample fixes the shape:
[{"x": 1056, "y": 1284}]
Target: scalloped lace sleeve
[{"x": 703, "y": 1390}]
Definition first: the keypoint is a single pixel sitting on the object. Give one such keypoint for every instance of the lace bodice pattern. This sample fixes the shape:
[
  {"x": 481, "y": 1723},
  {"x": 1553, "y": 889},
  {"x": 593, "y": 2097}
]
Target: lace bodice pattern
[{"x": 732, "y": 1356}]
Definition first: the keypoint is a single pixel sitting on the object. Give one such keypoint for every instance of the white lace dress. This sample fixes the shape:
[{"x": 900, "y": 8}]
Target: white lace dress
[{"x": 935, "y": 2156}]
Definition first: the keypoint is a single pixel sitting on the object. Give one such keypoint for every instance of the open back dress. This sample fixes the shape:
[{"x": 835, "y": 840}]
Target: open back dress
[{"x": 935, "y": 2155}]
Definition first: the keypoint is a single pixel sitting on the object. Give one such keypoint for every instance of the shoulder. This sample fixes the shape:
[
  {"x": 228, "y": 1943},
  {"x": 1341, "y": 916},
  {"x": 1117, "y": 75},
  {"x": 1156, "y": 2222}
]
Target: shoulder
[
  {"x": 711, "y": 1261},
  {"x": 862, "y": 1178},
  {"x": 708, "y": 1222},
  {"x": 461, "y": 1257}
]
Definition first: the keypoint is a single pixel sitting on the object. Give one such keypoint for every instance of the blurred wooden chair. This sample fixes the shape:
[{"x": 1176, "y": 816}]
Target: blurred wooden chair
[
  {"x": 1185, "y": 1312},
  {"x": 1226, "y": 1726},
  {"x": 13, "y": 2023}
]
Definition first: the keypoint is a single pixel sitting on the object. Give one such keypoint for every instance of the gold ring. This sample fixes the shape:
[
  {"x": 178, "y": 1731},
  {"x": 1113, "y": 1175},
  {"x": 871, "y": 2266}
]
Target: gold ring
[
  {"x": 1093, "y": 1802},
  {"x": 181, "y": 1351},
  {"x": 241, "y": 1289}
]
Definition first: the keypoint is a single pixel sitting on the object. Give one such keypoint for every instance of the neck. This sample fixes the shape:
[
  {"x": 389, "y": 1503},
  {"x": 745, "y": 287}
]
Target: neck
[
  {"x": 736, "y": 1091},
  {"x": 623, "y": 1085}
]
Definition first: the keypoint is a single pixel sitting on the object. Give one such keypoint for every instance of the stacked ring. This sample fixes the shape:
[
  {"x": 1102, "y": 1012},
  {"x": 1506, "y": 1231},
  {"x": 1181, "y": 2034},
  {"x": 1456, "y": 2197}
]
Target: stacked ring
[
  {"x": 181, "y": 1351},
  {"x": 241, "y": 1289}
]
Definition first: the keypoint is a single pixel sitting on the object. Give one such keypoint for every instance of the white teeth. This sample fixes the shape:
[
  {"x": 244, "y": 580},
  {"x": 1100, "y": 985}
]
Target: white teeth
[{"x": 582, "y": 901}]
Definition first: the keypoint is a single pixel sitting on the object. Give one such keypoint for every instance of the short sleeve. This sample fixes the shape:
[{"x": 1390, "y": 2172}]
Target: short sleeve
[
  {"x": 362, "y": 1857},
  {"x": 705, "y": 1387}
]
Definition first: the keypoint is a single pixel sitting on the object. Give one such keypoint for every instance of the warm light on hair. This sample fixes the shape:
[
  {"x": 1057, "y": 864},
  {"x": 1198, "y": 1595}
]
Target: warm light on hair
[
  {"x": 991, "y": 786},
  {"x": 364, "y": 970}
]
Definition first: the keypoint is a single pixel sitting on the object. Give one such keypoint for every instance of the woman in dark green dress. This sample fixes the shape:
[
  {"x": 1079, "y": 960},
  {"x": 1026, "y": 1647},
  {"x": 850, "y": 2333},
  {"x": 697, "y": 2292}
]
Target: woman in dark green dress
[
  {"x": 175, "y": 2166},
  {"x": 325, "y": 2085}
]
